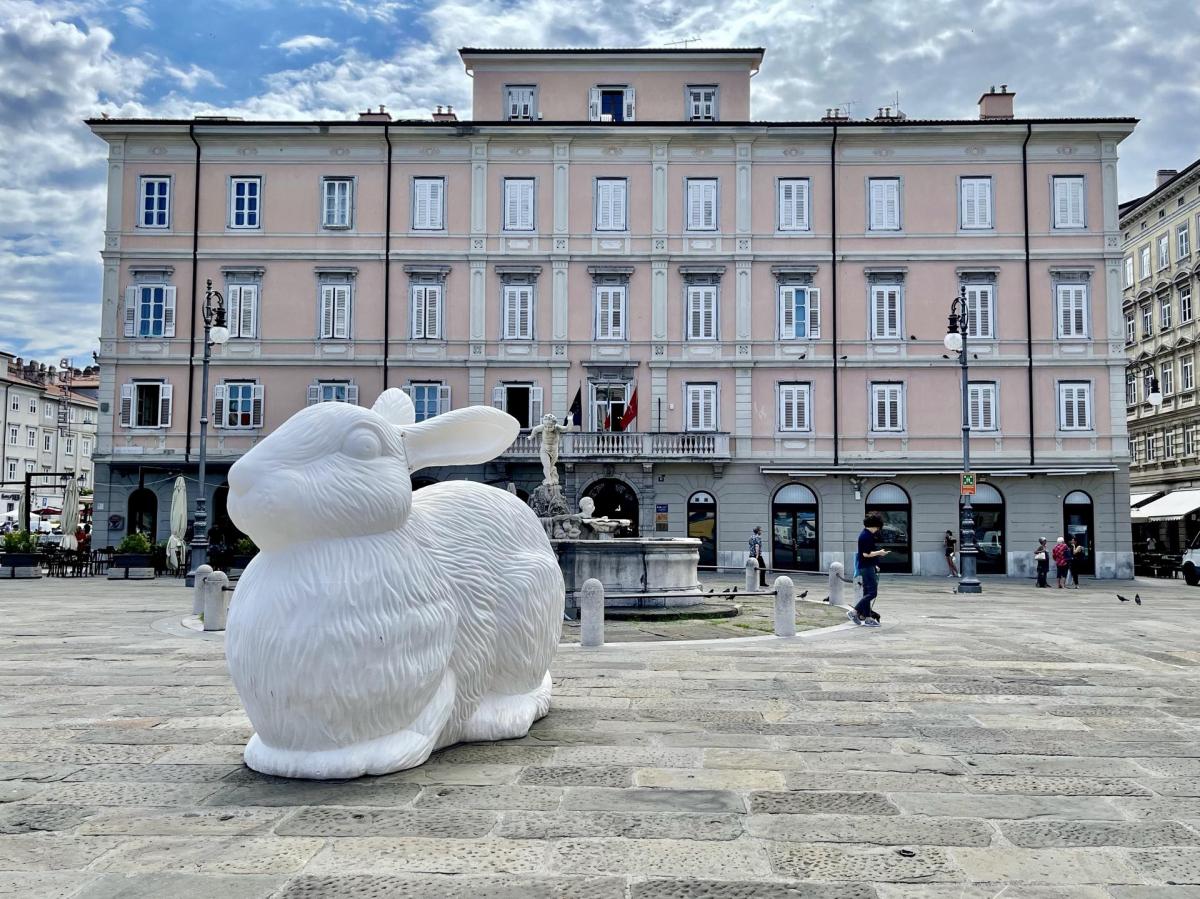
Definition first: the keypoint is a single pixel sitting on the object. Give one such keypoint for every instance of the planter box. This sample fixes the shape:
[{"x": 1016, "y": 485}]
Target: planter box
[
  {"x": 20, "y": 565},
  {"x": 131, "y": 567}
]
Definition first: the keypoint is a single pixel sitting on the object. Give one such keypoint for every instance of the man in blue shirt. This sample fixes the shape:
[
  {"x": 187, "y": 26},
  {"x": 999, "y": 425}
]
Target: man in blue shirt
[{"x": 868, "y": 552}]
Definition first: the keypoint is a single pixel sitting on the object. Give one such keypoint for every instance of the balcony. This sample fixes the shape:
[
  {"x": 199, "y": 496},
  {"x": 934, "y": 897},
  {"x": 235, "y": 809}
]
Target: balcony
[{"x": 631, "y": 445}]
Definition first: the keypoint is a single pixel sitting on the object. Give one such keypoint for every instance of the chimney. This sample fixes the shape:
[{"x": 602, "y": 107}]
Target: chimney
[
  {"x": 997, "y": 104},
  {"x": 447, "y": 116},
  {"x": 1162, "y": 176},
  {"x": 372, "y": 116},
  {"x": 835, "y": 114},
  {"x": 887, "y": 114}
]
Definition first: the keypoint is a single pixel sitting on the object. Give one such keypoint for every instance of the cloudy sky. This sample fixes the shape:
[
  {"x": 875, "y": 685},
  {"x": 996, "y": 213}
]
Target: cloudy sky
[{"x": 63, "y": 60}]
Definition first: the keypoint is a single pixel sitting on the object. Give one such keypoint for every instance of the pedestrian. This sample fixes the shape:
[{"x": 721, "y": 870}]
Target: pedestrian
[
  {"x": 756, "y": 554},
  {"x": 1041, "y": 558},
  {"x": 868, "y": 553},
  {"x": 1077, "y": 555},
  {"x": 1062, "y": 561},
  {"x": 948, "y": 547}
]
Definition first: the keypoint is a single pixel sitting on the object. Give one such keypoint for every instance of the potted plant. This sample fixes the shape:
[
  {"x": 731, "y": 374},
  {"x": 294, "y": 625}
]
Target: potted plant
[
  {"x": 243, "y": 551},
  {"x": 21, "y": 558},
  {"x": 133, "y": 560}
]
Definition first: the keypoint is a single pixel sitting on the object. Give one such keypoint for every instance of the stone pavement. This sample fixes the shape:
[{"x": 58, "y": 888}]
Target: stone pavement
[{"x": 1025, "y": 743}]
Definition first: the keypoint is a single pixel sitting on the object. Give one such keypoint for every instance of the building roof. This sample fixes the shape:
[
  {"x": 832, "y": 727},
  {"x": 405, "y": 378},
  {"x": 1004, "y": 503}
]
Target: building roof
[
  {"x": 1130, "y": 206},
  {"x": 600, "y": 51}
]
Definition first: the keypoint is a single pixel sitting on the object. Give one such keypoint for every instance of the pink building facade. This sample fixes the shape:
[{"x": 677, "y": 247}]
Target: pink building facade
[{"x": 612, "y": 225}]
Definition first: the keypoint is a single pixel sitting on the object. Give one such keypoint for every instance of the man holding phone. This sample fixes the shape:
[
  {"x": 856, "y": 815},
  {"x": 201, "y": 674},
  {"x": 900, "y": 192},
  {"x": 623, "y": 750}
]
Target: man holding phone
[{"x": 868, "y": 552}]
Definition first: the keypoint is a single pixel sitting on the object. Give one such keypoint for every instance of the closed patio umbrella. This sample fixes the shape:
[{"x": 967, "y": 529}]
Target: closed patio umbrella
[
  {"x": 70, "y": 515},
  {"x": 175, "y": 545}
]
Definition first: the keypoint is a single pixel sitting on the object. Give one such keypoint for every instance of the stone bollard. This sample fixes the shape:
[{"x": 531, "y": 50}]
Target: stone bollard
[
  {"x": 216, "y": 602},
  {"x": 751, "y": 575},
  {"x": 198, "y": 589},
  {"x": 591, "y": 613},
  {"x": 785, "y": 607},
  {"x": 835, "y": 584}
]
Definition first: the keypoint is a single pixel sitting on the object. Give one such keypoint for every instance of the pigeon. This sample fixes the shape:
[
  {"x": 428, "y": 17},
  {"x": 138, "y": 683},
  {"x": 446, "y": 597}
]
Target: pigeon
[
  {"x": 1124, "y": 598},
  {"x": 735, "y": 591},
  {"x": 1137, "y": 598},
  {"x": 804, "y": 594}
]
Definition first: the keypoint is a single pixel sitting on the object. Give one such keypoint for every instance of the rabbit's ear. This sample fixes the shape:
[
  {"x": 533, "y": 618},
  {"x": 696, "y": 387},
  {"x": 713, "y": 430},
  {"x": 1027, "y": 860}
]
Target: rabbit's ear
[
  {"x": 395, "y": 407},
  {"x": 467, "y": 436}
]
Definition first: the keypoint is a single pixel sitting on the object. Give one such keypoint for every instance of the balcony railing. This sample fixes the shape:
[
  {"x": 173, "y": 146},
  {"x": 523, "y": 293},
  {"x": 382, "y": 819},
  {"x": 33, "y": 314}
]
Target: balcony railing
[{"x": 629, "y": 445}]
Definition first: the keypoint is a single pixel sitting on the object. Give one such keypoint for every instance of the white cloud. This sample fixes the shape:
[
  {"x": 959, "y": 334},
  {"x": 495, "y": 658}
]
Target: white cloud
[
  {"x": 191, "y": 77},
  {"x": 137, "y": 16},
  {"x": 306, "y": 42}
]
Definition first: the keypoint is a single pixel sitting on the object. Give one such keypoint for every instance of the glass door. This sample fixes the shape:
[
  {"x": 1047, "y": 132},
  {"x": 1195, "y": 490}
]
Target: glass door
[{"x": 794, "y": 538}]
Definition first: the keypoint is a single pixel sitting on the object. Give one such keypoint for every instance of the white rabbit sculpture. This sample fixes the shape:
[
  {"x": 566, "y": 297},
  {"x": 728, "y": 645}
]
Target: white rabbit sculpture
[{"x": 375, "y": 626}]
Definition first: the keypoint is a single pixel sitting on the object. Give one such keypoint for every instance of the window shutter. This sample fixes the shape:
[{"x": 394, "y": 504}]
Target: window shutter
[
  {"x": 443, "y": 398},
  {"x": 878, "y": 204},
  {"x": 525, "y": 208},
  {"x": 420, "y": 203},
  {"x": 233, "y": 309},
  {"x": 126, "y": 404},
  {"x": 510, "y": 312},
  {"x": 694, "y": 409},
  {"x": 694, "y": 206},
  {"x": 164, "y": 415},
  {"x": 433, "y": 312},
  {"x": 787, "y": 205},
  {"x": 418, "y": 311},
  {"x": 169, "y": 312},
  {"x": 525, "y": 312},
  {"x": 879, "y": 312},
  {"x": 617, "y": 312},
  {"x": 1080, "y": 311},
  {"x": 256, "y": 406},
  {"x": 802, "y": 399},
  {"x": 892, "y": 207},
  {"x": 535, "y": 406},
  {"x": 604, "y": 205},
  {"x": 131, "y": 309},
  {"x": 594, "y": 104},
  {"x": 1064, "y": 311},
  {"x": 619, "y": 189},
  {"x": 814, "y": 312},
  {"x": 801, "y": 209},
  {"x": 1061, "y": 202},
  {"x": 500, "y": 397},
  {"x": 709, "y": 191},
  {"x": 314, "y": 394},
  {"x": 983, "y": 198},
  {"x": 787, "y": 313},
  {"x": 970, "y": 204},
  {"x": 220, "y": 395},
  {"x": 341, "y": 311},
  {"x": 708, "y": 298},
  {"x": 327, "y": 311},
  {"x": 248, "y": 320},
  {"x": 1076, "y": 201},
  {"x": 787, "y": 421},
  {"x": 437, "y": 203},
  {"x": 629, "y": 117}
]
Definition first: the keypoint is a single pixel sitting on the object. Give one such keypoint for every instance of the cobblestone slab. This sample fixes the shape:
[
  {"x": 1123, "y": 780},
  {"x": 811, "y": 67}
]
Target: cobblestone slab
[
  {"x": 727, "y": 889},
  {"x": 885, "y": 831},
  {"x": 1173, "y": 786},
  {"x": 51, "y": 851},
  {"x": 200, "y": 774},
  {"x": 494, "y": 754},
  {"x": 989, "y": 891},
  {"x": 192, "y": 886},
  {"x": 820, "y": 803},
  {"x": 1154, "y": 892},
  {"x": 628, "y": 756},
  {"x": 376, "y": 822},
  {"x": 677, "y": 858},
  {"x": 963, "y": 805},
  {"x": 1040, "y": 765},
  {"x": 1056, "y": 866},
  {"x": 633, "y": 825},
  {"x": 651, "y": 800},
  {"x": 120, "y": 794},
  {"x": 859, "y": 863},
  {"x": 433, "y": 773},
  {"x": 1170, "y": 767},
  {"x": 283, "y": 792},
  {"x": 376, "y": 855},
  {"x": 1172, "y": 866},
  {"x": 26, "y": 818},
  {"x": 566, "y": 776},
  {"x": 1054, "y": 786},
  {"x": 180, "y": 821},
  {"x": 375, "y": 886},
  {"x": 875, "y": 781},
  {"x": 707, "y": 779},
  {"x": 43, "y": 884},
  {"x": 1145, "y": 834},
  {"x": 226, "y": 855},
  {"x": 541, "y": 799}
]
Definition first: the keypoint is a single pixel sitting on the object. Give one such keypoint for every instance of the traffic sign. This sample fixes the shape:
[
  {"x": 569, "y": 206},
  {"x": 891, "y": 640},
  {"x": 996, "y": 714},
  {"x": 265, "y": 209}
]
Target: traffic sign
[{"x": 968, "y": 484}]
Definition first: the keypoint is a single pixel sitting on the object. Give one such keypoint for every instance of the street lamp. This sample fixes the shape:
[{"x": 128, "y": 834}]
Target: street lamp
[
  {"x": 1154, "y": 396},
  {"x": 215, "y": 333},
  {"x": 956, "y": 342}
]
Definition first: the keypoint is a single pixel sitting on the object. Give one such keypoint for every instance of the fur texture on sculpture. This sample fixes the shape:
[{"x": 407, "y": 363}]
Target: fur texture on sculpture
[{"x": 375, "y": 625}]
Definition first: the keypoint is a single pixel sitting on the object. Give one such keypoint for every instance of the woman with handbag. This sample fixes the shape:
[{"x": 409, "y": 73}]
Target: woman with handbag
[{"x": 1041, "y": 557}]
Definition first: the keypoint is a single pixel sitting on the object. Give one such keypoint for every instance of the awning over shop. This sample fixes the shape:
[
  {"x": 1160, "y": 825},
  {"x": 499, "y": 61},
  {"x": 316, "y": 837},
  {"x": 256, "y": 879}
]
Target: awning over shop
[
  {"x": 1171, "y": 507},
  {"x": 1140, "y": 499}
]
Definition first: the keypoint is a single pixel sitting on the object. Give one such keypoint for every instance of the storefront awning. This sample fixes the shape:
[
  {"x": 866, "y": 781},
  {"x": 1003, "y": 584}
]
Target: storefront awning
[
  {"x": 1140, "y": 499},
  {"x": 1171, "y": 507}
]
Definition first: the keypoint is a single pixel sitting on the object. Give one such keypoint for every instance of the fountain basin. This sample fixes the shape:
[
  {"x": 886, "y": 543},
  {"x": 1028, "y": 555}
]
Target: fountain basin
[{"x": 665, "y": 569}]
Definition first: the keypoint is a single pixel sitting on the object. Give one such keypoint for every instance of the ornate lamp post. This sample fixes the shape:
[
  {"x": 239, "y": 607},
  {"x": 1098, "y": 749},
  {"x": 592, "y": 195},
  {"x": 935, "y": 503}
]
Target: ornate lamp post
[
  {"x": 956, "y": 342},
  {"x": 215, "y": 333},
  {"x": 1154, "y": 393}
]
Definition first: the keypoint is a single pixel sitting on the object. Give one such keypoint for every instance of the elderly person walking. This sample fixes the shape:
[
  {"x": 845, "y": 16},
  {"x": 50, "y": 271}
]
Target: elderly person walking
[{"x": 1062, "y": 561}]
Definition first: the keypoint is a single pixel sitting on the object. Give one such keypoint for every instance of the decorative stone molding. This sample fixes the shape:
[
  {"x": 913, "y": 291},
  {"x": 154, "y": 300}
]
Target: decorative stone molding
[
  {"x": 518, "y": 274},
  {"x": 611, "y": 274},
  {"x": 690, "y": 272}
]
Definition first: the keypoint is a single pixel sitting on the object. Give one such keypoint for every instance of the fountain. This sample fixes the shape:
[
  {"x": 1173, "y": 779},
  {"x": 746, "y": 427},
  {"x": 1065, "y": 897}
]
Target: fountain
[{"x": 647, "y": 572}]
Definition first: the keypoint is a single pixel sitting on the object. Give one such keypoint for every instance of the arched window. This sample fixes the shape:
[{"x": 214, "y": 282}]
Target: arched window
[
  {"x": 143, "y": 513},
  {"x": 702, "y": 524},
  {"x": 1079, "y": 522},
  {"x": 987, "y": 506},
  {"x": 615, "y": 499},
  {"x": 894, "y": 507},
  {"x": 795, "y": 529}
]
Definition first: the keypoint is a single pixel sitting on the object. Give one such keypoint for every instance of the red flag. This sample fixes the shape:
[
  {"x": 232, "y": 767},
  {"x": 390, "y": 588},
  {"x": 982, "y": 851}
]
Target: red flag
[
  {"x": 606, "y": 422},
  {"x": 630, "y": 416}
]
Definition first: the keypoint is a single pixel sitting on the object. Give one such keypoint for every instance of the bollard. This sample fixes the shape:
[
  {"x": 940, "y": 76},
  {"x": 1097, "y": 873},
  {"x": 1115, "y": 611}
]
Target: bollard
[
  {"x": 835, "y": 584},
  {"x": 198, "y": 589},
  {"x": 785, "y": 607},
  {"x": 591, "y": 613},
  {"x": 751, "y": 575},
  {"x": 216, "y": 600}
]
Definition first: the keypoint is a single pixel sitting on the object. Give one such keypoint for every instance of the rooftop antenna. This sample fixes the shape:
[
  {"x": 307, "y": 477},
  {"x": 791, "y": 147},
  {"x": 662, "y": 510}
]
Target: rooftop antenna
[
  {"x": 847, "y": 105},
  {"x": 684, "y": 42},
  {"x": 896, "y": 102}
]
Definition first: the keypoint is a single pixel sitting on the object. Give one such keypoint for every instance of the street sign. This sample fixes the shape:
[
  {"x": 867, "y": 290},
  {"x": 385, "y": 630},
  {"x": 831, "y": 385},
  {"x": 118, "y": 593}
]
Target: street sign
[{"x": 968, "y": 484}]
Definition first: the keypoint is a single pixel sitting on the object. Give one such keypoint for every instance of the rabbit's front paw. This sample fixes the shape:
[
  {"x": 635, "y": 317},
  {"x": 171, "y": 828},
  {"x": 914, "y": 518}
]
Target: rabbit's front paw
[{"x": 500, "y": 717}]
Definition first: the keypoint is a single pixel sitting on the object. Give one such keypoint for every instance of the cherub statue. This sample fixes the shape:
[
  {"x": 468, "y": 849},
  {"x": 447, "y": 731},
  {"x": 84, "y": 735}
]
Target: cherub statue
[{"x": 551, "y": 433}]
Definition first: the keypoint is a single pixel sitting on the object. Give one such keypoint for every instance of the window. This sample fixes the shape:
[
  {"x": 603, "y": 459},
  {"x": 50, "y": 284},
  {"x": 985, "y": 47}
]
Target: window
[
  {"x": 69, "y": 447},
  {"x": 611, "y": 196},
  {"x": 981, "y": 402},
  {"x": 1187, "y": 372},
  {"x": 1074, "y": 406},
  {"x": 1072, "y": 310},
  {"x": 429, "y": 201},
  {"x": 1167, "y": 380},
  {"x": 884, "y": 201},
  {"x": 429, "y": 398},
  {"x": 146, "y": 404},
  {"x": 13, "y": 434},
  {"x": 1164, "y": 252},
  {"x": 518, "y": 204},
  {"x": 517, "y": 312},
  {"x": 337, "y": 203},
  {"x": 15, "y": 404},
  {"x": 31, "y": 438},
  {"x": 1169, "y": 444},
  {"x": 244, "y": 197},
  {"x": 47, "y": 442},
  {"x": 1145, "y": 253},
  {"x": 335, "y": 311},
  {"x": 48, "y": 411},
  {"x": 1069, "y": 206},
  {"x": 799, "y": 313},
  {"x": 1189, "y": 441},
  {"x": 885, "y": 311},
  {"x": 12, "y": 470},
  {"x": 610, "y": 312},
  {"x": 1151, "y": 447},
  {"x": 85, "y": 448},
  {"x": 794, "y": 204},
  {"x": 242, "y": 303},
  {"x": 154, "y": 203},
  {"x": 150, "y": 311},
  {"x": 1147, "y": 321},
  {"x": 794, "y": 400},
  {"x": 426, "y": 311},
  {"x": 975, "y": 203},
  {"x": 519, "y": 102},
  {"x": 611, "y": 103},
  {"x": 701, "y": 204},
  {"x": 700, "y": 407},
  {"x": 523, "y": 401},
  {"x": 1183, "y": 242},
  {"x": 1128, "y": 271},
  {"x": 702, "y": 312},
  {"x": 1164, "y": 311},
  {"x": 1185, "y": 303},
  {"x": 887, "y": 407},
  {"x": 1130, "y": 389},
  {"x": 238, "y": 404},
  {"x": 980, "y": 311},
  {"x": 333, "y": 392},
  {"x": 702, "y": 102},
  {"x": 33, "y": 405},
  {"x": 1130, "y": 328},
  {"x": 71, "y": 414}
]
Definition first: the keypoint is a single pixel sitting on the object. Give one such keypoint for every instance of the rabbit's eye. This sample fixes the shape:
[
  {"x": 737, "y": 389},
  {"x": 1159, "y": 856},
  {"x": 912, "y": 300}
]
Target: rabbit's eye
[{"x": 361, "y": 445}]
